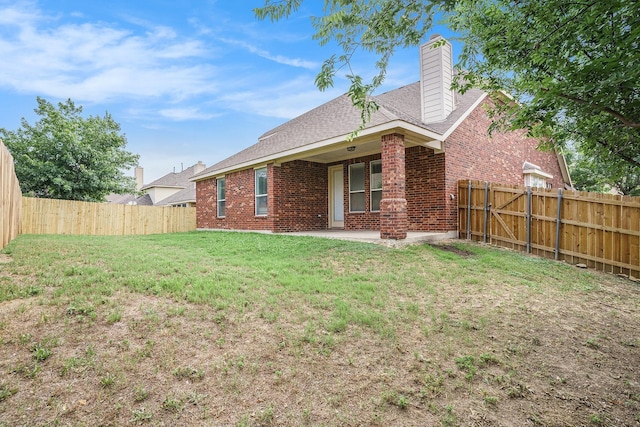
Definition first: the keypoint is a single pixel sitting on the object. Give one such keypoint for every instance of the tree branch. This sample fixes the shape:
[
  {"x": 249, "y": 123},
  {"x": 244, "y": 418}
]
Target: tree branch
[
  {"x": 625, "y": 121},
  {"x": 615, "y": 152}
]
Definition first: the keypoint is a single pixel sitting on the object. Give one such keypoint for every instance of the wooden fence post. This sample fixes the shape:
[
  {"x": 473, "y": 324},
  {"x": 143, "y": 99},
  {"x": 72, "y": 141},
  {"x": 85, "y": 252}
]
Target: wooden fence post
[
  {"x": 528, "y": 219},
  {"x": 486, "y": 209},
  {"x": 469, "y": 211},
  {"x": 558, "y": 224}
]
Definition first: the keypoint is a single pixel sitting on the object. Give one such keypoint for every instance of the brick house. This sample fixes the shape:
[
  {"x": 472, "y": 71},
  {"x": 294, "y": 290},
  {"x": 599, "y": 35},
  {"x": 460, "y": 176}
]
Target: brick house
[{"x": 398, "y": 174}]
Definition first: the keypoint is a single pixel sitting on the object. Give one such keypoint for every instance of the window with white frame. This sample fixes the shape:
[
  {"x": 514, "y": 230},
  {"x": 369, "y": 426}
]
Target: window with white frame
[
  {"x": 534, "y": 176},
  {"x": 535, "y": 181},
  {"x": 261, "y": 192},
  {"x": 356, "y": 188},
  {"x": 376, "y": 184},
  {"x": 222, "y": 197}
]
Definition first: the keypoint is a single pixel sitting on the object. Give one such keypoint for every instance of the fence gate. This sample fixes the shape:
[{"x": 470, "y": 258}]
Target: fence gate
[
  {"x": 599, "y": 230},
  {"x": 510, "y": 214}
]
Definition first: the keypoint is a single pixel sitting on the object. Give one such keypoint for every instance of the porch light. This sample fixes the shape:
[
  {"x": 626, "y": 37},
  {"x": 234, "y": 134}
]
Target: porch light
[{"x": 351, "y": 148}]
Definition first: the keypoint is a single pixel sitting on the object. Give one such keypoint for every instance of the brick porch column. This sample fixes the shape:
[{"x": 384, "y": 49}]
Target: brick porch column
[{"x": 393, "y": 206}]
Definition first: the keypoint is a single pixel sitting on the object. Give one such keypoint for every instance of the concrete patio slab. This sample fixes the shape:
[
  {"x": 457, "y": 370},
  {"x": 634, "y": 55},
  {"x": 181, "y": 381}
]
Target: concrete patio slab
[
  {"x": 369, "y": 236},
  {"x": 373, "y": 236}
]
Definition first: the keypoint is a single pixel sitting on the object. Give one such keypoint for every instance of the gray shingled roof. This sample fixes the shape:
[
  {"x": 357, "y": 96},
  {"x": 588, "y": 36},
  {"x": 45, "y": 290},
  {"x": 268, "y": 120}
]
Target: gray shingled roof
[
  {"x": 129, "y": 199},
  {"x": 144, "y": 200},
  {"x": 339, "y": 117},
  {"x": 183, "y": 196},
  {"x": 174, "y": 179}
]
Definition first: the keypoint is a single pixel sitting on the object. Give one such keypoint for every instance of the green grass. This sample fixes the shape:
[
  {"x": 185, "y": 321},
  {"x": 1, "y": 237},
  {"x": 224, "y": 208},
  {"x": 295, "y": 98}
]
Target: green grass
[
  {"x": 160, "y": 325},
  {"x": 247, "y": 271}
]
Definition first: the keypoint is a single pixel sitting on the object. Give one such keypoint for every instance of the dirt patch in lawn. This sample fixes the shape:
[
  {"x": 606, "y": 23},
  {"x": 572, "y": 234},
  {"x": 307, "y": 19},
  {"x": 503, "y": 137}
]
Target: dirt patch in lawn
[
  {"x": 506, "y": 356},
  {"x": 450, "y": 247}
]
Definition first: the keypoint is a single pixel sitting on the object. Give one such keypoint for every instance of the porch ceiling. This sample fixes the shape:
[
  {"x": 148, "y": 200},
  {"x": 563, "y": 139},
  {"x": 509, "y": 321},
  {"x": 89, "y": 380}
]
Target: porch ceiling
[{"x": 364, "y": 146}]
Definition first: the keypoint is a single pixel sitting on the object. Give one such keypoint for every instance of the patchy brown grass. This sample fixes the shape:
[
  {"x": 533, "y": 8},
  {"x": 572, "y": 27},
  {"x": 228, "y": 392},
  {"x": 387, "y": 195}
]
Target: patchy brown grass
[{"x": 463, "y": 347}]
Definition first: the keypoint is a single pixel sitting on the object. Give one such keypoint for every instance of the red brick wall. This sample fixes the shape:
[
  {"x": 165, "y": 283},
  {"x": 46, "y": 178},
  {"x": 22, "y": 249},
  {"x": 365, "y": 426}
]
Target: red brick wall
[
  {"x": 426, "y": 198},
  {"x": 366, "y": 220},
  {"x": 301, "y": 202},
  {"x": 240, "y": 202},
  {"x": 206, "y": 203},
  {"x": 472, "y": 154}
]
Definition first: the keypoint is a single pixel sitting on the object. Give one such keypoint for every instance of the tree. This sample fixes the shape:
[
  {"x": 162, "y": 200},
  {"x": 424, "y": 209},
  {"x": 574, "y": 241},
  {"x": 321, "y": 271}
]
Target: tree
[
  {"x": 572, "y": 68},
  {"x": 375, "y": 26},
  {"x": 594, "y": 174},
  {"x": 66, "y": 156}
]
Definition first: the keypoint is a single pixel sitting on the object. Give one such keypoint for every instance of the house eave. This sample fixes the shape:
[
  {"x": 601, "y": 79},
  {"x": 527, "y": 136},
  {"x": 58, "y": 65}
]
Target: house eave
[
  {"x": 147, "y": 187},
  {"x": 464, "y": 116},
  {"x": 426, "y": 138}
]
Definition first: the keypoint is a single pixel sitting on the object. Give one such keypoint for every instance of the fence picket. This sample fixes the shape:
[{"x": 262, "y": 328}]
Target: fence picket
[
  {"x": 49, "y": 216},
  {"x": 600, "y": 230},
  {"x": 10, "y": 198}
]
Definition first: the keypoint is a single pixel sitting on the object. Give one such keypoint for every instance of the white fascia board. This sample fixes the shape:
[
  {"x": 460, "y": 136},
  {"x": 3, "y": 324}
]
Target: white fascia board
[
  {"x": 395, "y": 124},
  {"x": 537, "y": 172},
  {"x": 463, "y": 117},
  {"x": 564, "y": 169},
  {"x": 178, "y": 202},
  {"x": 147, "y": 187}
]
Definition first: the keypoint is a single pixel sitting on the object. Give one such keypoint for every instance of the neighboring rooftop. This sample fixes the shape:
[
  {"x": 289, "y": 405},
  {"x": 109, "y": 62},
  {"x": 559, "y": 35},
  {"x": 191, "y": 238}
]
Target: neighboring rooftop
[
  {"x": 186, "y": 195},
  {"x": 173, "y": 188},
  {"x": 177, "y": 179}
]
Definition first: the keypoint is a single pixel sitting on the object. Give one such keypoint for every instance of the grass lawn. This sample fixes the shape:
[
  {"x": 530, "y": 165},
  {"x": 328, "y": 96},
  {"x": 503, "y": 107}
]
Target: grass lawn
[{"x": 245, "y": 329}]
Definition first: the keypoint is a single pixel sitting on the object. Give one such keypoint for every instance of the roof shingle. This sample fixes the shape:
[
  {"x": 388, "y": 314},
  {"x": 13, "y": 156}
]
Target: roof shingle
[{"x": 339, "y": 117}]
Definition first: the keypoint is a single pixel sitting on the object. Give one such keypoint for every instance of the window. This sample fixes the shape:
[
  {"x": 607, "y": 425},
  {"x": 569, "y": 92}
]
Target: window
[
  {"x": 535, "y": 181},
  {"x": 534, "y": 176},
  {"x": 376, "y": 185},
  {"x": 222, "y": 197},
  {"x": 356, "y": 187},
  {"x": 261, "y": 192}
]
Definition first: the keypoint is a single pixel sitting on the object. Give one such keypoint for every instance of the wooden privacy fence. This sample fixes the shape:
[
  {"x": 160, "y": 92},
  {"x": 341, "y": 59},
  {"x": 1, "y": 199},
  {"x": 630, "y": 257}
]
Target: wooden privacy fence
[
  {"x": 599, "y": 230},
  {"x": 50, "y": 216},
  {"x": 10, "y": 198}
]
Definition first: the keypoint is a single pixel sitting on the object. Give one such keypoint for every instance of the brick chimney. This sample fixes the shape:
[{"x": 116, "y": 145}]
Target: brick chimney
[
  {"x": 139, "y": 174},
  {"x": 436, "y": 74}
]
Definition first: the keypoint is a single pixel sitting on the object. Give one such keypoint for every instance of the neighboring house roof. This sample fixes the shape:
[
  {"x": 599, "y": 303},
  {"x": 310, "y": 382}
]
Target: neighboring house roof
[
  {"x": 186, "y": 195},
  {"x": 144, "y": 200},
  {"x": 184, "y": 189},
  {"x": 176, "y": 179},
  {"x": 333, "y": 121},
  {"x": 129, "y": 199},
  {"x": 120, "y": 199}
]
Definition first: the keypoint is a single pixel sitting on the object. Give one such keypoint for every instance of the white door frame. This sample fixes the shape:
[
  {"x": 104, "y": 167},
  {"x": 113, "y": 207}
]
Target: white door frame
[{"x": 336, "y": 183}]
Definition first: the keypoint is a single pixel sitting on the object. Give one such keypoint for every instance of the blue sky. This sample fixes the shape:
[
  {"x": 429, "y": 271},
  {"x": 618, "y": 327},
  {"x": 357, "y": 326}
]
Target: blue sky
[{"x": 187, "y": 80}]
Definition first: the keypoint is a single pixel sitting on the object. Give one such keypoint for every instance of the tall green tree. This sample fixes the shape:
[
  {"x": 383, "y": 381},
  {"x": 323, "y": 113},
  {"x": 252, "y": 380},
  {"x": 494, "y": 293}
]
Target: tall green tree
[
  {"x": 596, "y": 174},
  {"x": 66, "y": 156},
  {"x": 572, "y": 68}
]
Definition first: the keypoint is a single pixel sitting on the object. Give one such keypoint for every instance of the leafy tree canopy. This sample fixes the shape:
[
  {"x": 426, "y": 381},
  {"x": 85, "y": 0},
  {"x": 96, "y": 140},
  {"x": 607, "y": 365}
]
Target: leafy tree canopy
[
  {"x": 66, "y": 156},
  {"x": 596, "y": 174},
  {"x": 572, "y": 68}
]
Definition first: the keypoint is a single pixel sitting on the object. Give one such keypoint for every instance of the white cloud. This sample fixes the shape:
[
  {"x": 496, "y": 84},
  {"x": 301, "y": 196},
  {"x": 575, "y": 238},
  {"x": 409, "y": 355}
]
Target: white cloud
[
  {"x": 280, "y": 59},
  {"x": 94, "y": 62},
  {"x": 284, "y": 101},
  {"x": 181, "y": 114}
]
